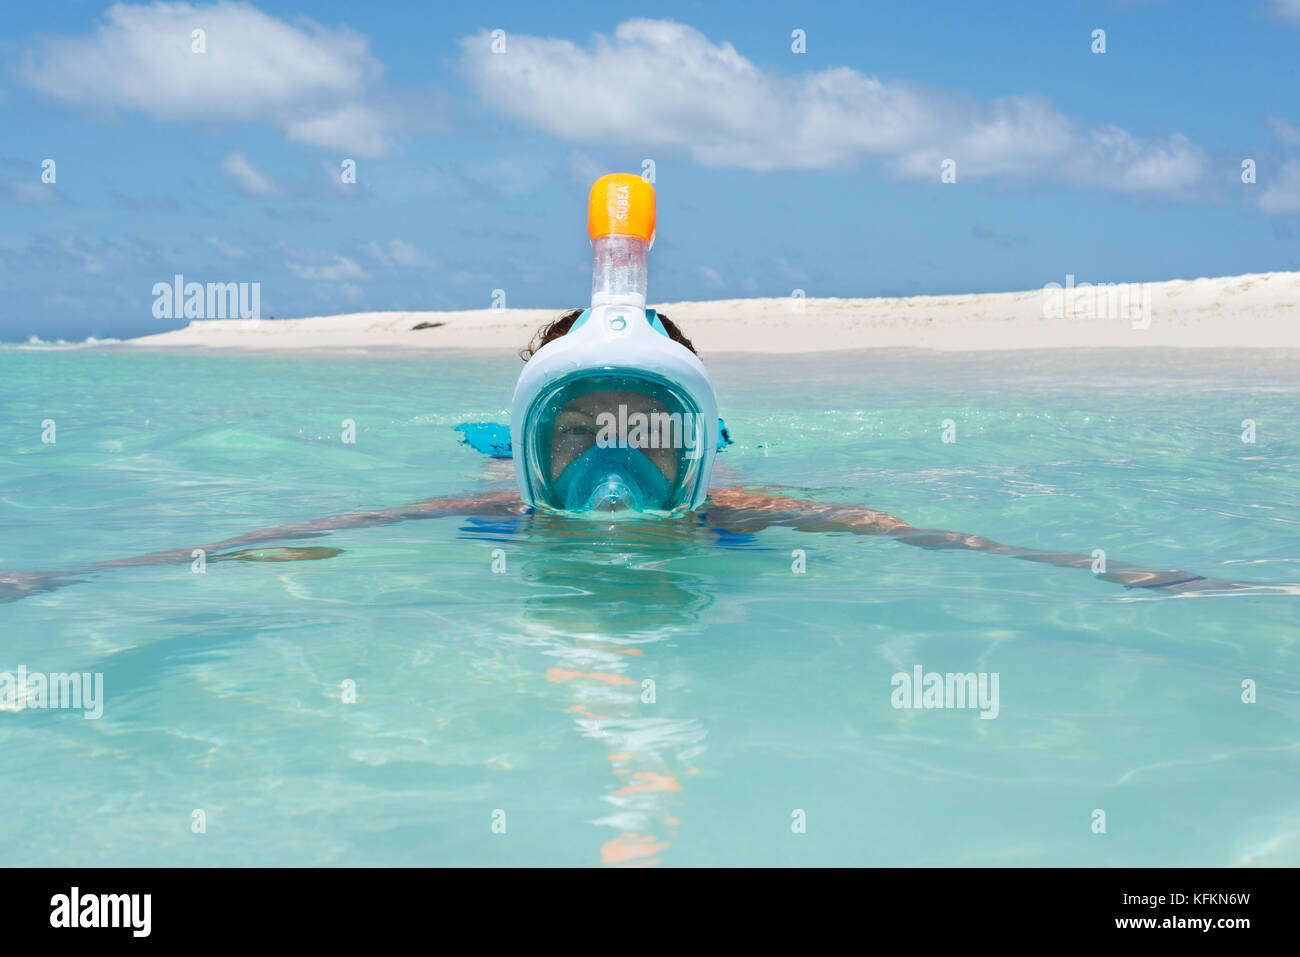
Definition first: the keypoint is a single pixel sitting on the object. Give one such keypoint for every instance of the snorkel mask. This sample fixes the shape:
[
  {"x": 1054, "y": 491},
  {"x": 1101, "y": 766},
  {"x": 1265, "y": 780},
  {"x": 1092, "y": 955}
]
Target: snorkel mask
[{"x": 615, "y": 416}]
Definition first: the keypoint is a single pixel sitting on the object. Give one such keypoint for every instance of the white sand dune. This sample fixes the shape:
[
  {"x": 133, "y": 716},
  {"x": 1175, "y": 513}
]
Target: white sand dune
[{"x": 1255, "y": 311}]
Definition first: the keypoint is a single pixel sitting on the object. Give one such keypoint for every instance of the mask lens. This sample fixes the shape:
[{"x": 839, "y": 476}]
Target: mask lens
[{"x": 614, "y": 441}]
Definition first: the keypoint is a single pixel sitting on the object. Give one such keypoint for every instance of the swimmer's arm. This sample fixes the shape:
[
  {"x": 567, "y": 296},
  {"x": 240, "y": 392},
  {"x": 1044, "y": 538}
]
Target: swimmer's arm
[
  {"x": 497, "y": 503},
  {"x": 738, "y": 510}
]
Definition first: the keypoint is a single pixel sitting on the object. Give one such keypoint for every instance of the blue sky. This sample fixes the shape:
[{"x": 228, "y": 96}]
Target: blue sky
[{"x": 775, "y": 170}]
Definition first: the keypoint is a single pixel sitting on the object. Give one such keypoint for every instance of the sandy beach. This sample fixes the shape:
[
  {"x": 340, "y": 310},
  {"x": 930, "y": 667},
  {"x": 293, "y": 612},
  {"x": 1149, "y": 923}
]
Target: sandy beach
[{"x": 1251, "y": 311}]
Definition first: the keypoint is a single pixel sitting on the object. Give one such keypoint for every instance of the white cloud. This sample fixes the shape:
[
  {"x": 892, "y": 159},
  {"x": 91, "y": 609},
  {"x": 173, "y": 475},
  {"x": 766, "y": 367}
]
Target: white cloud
[
  {"x": 677, "y": 90},
  {"x": 1288, "y": 10},
  {"x": 91, "y": 260},
  {"x": 1285, "y": 131},
  {"x": 711, "y": 276},
  {"x": 33, "y": 193},
  {"x": 319, "y": 85},
  {"x": 404, "y": 254},
  {"x": 1280, "y": 192},
  {"x": 341, "y": 268},
  {"x": 585, "y": 169},
  {"x": 377, "y": 251},
  {"x": 366, "y": 130},
  {"x": 400, "y": 253},
  {"x": 98, "y": 257},
  {"x": 1116, "y": 159},
  {"x": 1278, "y": 173},
  {"x": 225, "y": 248},
  {"x": 250, "y": 179},
  {"x": 321, "y": 266}
]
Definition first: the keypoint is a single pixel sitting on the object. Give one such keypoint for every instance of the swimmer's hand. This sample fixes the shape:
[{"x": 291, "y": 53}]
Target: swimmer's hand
[
  {"x": 16, "y": 585},
  {"x": 277, "y": 555}
]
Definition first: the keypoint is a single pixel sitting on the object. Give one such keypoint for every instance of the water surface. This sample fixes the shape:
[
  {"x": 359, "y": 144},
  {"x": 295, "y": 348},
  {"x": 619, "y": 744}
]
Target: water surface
[{"x": 519, "y": 697}]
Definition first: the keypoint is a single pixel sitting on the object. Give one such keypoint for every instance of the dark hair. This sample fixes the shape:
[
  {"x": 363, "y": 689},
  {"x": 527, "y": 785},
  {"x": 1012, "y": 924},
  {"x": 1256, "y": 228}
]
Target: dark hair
[{"x": 561, "y": 326}]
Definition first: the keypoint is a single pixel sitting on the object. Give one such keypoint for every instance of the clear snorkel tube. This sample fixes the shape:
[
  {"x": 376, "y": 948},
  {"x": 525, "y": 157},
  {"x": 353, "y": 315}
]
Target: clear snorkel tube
[{"x": 618, "y": 271}]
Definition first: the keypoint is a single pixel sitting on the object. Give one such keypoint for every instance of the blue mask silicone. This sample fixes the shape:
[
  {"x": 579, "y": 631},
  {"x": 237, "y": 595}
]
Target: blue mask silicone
[{"x": 612, "y": 479}]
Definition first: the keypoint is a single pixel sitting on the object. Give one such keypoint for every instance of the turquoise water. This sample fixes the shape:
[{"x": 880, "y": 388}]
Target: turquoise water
[{"x": 515, "y": 697}]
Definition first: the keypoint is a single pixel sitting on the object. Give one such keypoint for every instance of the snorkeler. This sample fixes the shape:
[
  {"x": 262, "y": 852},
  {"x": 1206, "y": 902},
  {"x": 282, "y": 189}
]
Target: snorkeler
[{"x": 614, "y": 416}]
